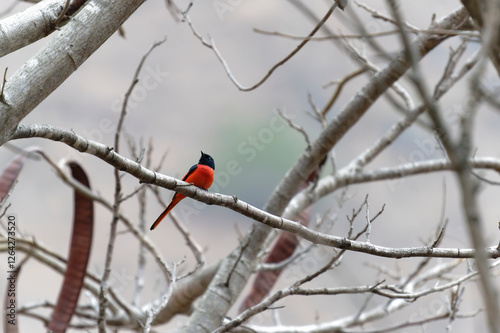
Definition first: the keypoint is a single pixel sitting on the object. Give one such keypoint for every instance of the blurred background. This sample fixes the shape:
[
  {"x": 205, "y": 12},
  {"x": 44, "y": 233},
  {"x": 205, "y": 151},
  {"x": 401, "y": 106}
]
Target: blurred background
[{"x": 185, "y": 102}]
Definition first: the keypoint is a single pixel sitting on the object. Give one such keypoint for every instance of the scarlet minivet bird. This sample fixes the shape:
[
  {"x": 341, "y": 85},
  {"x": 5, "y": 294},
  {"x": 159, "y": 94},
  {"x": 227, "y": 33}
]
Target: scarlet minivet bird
[{"x": 200, "y": 175}]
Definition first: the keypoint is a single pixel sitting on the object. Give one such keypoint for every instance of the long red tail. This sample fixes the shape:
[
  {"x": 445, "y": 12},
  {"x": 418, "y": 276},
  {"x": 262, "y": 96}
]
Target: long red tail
[{"x": 175, "y": 201}]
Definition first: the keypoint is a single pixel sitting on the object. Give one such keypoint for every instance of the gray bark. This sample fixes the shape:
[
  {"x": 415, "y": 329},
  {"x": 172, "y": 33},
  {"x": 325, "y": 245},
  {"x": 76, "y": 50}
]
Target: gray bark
[
  {"x": 54, "y": 63},
  {"x": 28, "y": 26}
]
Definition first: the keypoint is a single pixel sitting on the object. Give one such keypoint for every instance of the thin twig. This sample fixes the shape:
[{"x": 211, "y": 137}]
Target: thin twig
[
  {"x": 340, "y": 85},
  {"x": 141, "y": 260},
  {"x": 62, "y": 14},
  {"x": 293, "y": 125},
  {"x": 211, "y": 44},
  {"x": 117, "y": 196},
  {"x": 368, "y": 35}
]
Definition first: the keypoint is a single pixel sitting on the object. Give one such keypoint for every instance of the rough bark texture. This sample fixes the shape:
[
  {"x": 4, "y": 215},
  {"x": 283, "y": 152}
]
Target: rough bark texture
[
  {"x": 28, "y": 26},
  {"x": 53, "y": 64}
]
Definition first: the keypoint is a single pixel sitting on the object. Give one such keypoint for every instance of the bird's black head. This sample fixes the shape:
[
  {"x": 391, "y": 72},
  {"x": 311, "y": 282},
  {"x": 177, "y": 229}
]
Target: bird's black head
[{"x": 206, "y": 159}]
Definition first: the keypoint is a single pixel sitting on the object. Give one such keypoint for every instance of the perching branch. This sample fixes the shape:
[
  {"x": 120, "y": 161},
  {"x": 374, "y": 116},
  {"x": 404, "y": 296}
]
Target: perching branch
[{"x": 239, "y": 206}]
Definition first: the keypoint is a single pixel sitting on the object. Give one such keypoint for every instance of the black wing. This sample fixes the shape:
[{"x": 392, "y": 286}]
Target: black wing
[{"x": 191, "y": 170}]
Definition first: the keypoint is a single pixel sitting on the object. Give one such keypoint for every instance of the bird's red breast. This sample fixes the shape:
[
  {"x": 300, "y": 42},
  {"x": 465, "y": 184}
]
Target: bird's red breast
[{"x": 200, "y": 175}]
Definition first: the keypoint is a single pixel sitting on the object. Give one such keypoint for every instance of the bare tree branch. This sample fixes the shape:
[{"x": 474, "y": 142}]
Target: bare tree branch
[
  {"x": 54, "y": 63},
  {"x": 28, "y": 26}
]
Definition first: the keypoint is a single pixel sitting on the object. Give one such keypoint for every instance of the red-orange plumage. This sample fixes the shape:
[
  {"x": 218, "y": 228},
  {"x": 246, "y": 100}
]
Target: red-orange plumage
[{"x": 200, "y": 175}]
